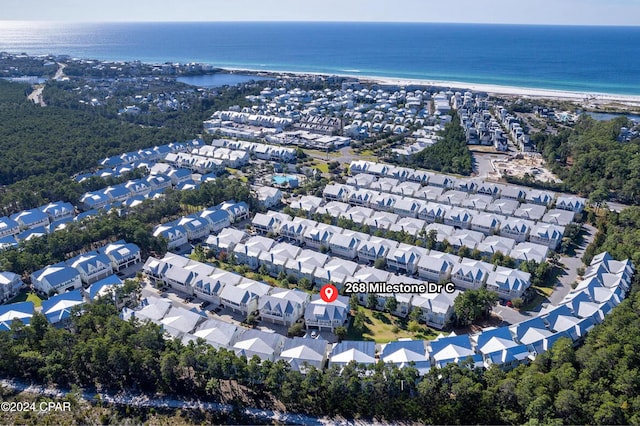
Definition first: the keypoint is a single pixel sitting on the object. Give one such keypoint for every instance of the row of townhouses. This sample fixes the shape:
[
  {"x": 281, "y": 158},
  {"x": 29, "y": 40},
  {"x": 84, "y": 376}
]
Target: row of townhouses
[
  {"x": 86, "y": 269},
  {"x": 428, "y": 265},
  {"x": 197, "y": 226}
]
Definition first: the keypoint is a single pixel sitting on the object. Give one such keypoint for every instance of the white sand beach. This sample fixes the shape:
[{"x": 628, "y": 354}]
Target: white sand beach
[{"x": 585, "y": 98}]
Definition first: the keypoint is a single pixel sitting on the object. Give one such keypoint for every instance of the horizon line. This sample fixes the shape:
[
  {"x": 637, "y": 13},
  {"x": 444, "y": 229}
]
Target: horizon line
[{"x": 294, "y": 21}]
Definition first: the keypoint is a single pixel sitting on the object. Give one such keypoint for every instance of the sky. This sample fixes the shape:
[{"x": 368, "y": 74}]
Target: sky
[{"x": 553, "y": 12}]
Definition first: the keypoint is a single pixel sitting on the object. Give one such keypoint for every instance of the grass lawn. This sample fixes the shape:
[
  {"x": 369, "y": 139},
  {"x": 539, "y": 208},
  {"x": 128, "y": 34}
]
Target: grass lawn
[
  {"x": 380, "y": 328},
  {"x": 27, "y": 296},
  {"x": 323, "y": 154},
  {"x": 322, "y": 166}
]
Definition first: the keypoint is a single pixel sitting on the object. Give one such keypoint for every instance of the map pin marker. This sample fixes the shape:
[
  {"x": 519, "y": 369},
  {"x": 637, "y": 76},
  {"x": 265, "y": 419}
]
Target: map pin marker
[{"x": 329, "y": 293}]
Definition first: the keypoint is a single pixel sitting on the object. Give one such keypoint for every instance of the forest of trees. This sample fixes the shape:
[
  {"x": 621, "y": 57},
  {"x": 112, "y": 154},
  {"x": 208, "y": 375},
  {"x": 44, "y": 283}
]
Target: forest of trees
[
  {"x": 448, "y": 155},
  {"x": 135, "y": 227},
  {"x": 591, "y": 161},
  {"x": 596, "y": 383}
]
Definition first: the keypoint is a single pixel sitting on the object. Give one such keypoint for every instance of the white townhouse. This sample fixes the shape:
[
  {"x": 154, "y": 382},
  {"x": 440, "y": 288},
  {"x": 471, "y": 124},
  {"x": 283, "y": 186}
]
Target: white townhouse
[
  {"x": 405, "y": 258},
  {"x": 31, "y": 219},
  {"x": 516, "y": 229},
  {"x": 458, "y": 217},
  {"x": 487, "y": 223},
  {"x": 197, "y": 228},
  {"x": 503, "y": 206},
  {"x": 530, "y": 211},
  {"x": 218, "y": 219},
  {"x": 344, "y": 245},
  {"x": 58, "y": 211},
  {"x": 436, "y": 308},
  {"x": 470, "y": 275},
  {"x": 225, "y": 241},
  {"x": 337, "y": 192},
  {"x": 8, "y": 227},
  {"x": 283, "y": 306},
  {"x": 508, "y": 283},
  {"x": 248, "y": 253},
  {"x": 570, "y": 202},
  {"x": 58, "y": 278},
  {"x": 10, "y": 285},
  {"x": 320, "y": 236},
  {"x": 323, "y": 315},
  {"x": 435, "y": 268},
  {"x": 434, "y": 212},
  {"x": 375, "y": 248},
  {"x": 92, "y": 266},
  {"x": 558, "y": 217},
  {"x": 268, "y": 196},
  {"x": 408, "y": 207},
  {"x": 547, "y": 234},
  {"x": 122, "y": 254},
  {"x": 175, "y": 234},
  {"x": 494, "y": 244}
]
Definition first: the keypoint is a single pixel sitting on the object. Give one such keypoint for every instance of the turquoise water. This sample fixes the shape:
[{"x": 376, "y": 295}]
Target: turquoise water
[
  {"x": 283, "y": 180},
  {"x": 577, "y": 58}
]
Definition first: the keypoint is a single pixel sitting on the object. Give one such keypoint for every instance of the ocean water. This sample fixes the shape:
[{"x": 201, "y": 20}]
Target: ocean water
[{"x": 576, "y": 58}]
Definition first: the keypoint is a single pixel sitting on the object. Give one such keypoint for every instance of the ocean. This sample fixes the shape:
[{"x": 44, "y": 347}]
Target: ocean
[{"x": 572, "y": 58}]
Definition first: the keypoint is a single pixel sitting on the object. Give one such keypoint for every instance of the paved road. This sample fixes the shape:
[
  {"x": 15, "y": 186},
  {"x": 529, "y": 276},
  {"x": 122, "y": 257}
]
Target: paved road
[{"x": 563, "y": 287}]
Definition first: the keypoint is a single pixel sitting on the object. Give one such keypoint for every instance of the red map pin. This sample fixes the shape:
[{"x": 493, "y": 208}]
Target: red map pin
[{"x": 329, "y": 293}]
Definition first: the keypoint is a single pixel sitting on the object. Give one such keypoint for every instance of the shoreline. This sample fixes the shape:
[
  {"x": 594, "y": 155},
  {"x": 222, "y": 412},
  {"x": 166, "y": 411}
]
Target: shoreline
[{"x": 596, "y": 98}]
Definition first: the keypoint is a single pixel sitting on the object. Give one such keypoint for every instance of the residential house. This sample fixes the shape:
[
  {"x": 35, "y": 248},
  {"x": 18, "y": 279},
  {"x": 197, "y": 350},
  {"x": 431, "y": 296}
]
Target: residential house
[
  {"x": 283, "y": 306},
  {"x": 8, "y": 227},
  {"x": 122, "y": 254},
  {"x": 225, "y": 241},
  {"x": 10, "y": 285},
  {"x": 433, "y": 212},
  {"x": 218, "y": 334},
  {"x": 337, "y": 192},
  {"x": 405, "y": 258},
  {"x": 458, "y": 218},
  {"x": 571, "y": 203},
  {"x": 31, "y": 219},
  {"x": 9, "y": 313},
  {"x": 435, "y": 269},
  {"x": 530, "y": 211},
  {"x": 268, "y": 196},
  {"x": 407, "y": 353},
  {"x": 508, "y": 283},
  {"x": 57, "y": 278},
  {"x": 494, "y": 244},
  {"x": 487, "y": 223},
  {"x": 218, "y": 219},
  {"x": 544, "y": 198},
  {"x": 303, "y": 353},
  {"x": 436, "y": 308},
  {"x": 558, "y": 217},
  {"x": 408, "y": 207},
  {"x": 469, "y": 276},
  {"x": 323, "y": 315},
  {"x": 547, "y": 234},
  {"x": 524, "y": 252},
  {"x": 347, "y": 351},
  {"x": 58, "y": 211},
  {"x": 266, "y": 346},
  {"x": 59, "y": 308},
  {"x": 452, "y": 349},
  {"x": 375, "y": 248},
  {"x": 92, "y": 266},
  {"x": 248, "y": 253},
  {"x": 516, "y": 229},
  {"x": 175, "y": 235},
  {"x": 503, "y": 206}
]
